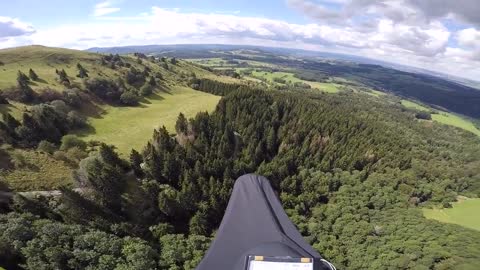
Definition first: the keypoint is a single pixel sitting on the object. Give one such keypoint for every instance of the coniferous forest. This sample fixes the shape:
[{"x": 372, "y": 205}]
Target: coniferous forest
[{"x": 351, "y": 172}]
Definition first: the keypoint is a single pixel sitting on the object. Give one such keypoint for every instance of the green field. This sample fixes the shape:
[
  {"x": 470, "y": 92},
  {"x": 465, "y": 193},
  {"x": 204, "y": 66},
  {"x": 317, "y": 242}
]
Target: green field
[
  {"x": 44, "y": 61},
  {"x": 445, "y": 117},
  {"x": 414, "y": 105},
  {"x": 290, "y": 77},
  {"x": 465, "y": 212},
  {"x": 132, "y": 127},
  {"x": 456, "y": 121}
]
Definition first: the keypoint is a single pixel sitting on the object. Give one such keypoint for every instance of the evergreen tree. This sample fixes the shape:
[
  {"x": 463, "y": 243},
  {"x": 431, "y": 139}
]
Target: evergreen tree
[
  {"x": 63, "y": 77},
  {"x": 181, "y": 126},
  {"x": 33, "y": 75},
  {"x": 22, "y": 79},
  {"x": 82, "y": 72}
]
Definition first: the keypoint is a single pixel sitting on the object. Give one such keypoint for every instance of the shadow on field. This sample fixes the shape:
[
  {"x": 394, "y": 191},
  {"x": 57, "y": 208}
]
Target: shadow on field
[
  {"x": 87, "y": 130},
  {"x": 164, "y": 89},
  {"x": 6, "y": 108}
]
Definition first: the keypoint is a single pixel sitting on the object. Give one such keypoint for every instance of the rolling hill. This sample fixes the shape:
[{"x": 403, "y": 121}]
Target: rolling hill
[{"x": 106, "y": 120}]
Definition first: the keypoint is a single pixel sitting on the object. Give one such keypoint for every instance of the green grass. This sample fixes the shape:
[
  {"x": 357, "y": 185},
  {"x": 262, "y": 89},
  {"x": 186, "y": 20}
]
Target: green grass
[
  {"x": 445, "y": 118},
  {"x": 375, "y": 93},
  {"x": 290, "y": 77},
  {"x": 456, "y": 121},
  {"x": 465, "y": 212},
  {"x": 413, "y": 105},
  {"x": 132, "y": 127},
  {"x": 44, "y": 61},
  {"x": 41, "y": 172}
]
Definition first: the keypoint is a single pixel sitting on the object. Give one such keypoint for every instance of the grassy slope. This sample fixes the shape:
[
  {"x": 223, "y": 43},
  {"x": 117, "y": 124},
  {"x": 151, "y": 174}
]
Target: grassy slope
[
  {"x": 464, "y": 213},
  {"x": 125, "y": 127},
  {"x": 445, "y": 117},
  {"x": 132, "y": 127},
  {"x": 44, "y": 61},
  {"x": 41, "y": 172}
]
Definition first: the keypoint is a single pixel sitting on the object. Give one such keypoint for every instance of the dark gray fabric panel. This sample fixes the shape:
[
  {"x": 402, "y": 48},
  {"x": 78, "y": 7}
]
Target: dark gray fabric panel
[{"x": 254, "y": 224}]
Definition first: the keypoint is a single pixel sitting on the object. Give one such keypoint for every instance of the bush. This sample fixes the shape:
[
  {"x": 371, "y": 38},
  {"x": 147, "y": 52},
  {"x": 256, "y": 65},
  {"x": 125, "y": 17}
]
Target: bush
[
  {"x": 21, "y": 93},
  {"x": 279, "y": 80},
  {"x": 76, "y": 120},
  {"x": 19, "y": 160},
  {"x": 70, "y": 141},
  {"x": 104, "y": 89},
  {"x": 48, "y": 94},
  {"x": 423, "y": 115},
  {"x": 46, "y": 147},
  {"x": 62, "y": 156},
  {"x": 73, "y": 97},
  {"x": 146, "y": 90},
  {"x": 60, "y": 106},
  {"x": 129, "y": 98},
  {"x": 76, "y": 154},
  {"x": 3, "y": 100}
]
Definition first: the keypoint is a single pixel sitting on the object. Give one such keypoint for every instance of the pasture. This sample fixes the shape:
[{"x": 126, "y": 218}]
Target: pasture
[
  {"x": 445, "y": 118},
  {"x": 464, "y": 213},
  {"x": 131, "y": 127}
]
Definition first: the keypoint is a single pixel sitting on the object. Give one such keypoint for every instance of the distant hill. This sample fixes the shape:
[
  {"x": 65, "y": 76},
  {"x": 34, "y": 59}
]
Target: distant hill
[
  {"x": 456, "y": 95},
  {"x": 212, "y": 50}
]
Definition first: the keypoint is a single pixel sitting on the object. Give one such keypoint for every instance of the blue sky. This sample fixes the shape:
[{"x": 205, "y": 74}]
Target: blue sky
[{"x": 440, "y": 35}]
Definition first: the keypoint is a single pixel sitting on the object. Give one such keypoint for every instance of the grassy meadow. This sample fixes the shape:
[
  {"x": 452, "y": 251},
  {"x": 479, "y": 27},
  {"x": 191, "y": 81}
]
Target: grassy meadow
[
  {"x": 132, "y": 127},
  {"x": 290, "y": 77},
  {"x": 464, "y": 213},
  {"x": 445, "y": 118}
]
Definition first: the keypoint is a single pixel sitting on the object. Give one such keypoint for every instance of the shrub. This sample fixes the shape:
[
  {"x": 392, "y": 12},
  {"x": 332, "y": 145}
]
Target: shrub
[
  {"x": 3, "y": 100},
  {"x": 70, "y": 141},
  {"x": 146, "y": 90},
  {"x": 48, "y": 94},
  {"x": 129, "y": 98},
  {"x": 423, "y": 115},
  {"x": 60, "y": 155},
  {"x": 76, "y": 120},
  {"x": 73, "y": 97},
  {"x": 19, "y": 160},
  {"x": 76, "y": 154},
  {"x": 103, "y": 88},
  {"x": 46, "y": 147}
]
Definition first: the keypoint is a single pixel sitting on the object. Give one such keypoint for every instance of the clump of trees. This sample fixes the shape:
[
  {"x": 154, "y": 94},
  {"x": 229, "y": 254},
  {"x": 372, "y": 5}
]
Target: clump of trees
[{"x": 213, "y": 86}]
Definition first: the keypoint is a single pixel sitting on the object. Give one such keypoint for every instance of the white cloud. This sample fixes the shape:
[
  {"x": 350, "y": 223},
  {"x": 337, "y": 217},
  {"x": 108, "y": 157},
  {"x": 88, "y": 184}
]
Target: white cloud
[
  {"x": 104, "y": 8},
  {"x": 12, "y": 27},
  {"x": 469, "y": 38}
]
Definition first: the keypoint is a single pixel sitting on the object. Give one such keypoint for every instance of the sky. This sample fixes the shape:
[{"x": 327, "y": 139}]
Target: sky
[{"x": 438, "y": 35}]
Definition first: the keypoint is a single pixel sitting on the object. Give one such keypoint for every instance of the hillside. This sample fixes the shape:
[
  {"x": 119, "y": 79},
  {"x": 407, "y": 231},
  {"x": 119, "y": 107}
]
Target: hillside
[{"x": 157, "y": 92}]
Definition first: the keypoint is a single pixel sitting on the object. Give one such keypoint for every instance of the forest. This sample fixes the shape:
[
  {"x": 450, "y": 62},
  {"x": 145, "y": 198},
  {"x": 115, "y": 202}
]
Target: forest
[{"x": 352, "y": 177}]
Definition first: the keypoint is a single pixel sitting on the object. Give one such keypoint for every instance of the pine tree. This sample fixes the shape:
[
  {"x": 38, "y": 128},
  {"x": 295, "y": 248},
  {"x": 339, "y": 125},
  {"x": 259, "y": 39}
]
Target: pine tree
[
  {"x": 22, "y": 79},
  {"x": 82, "y": 72},
  {"x": 136, "y": 160},
  {"x": 33, "y": 75},
  {"x": 181, "y": 126}
]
